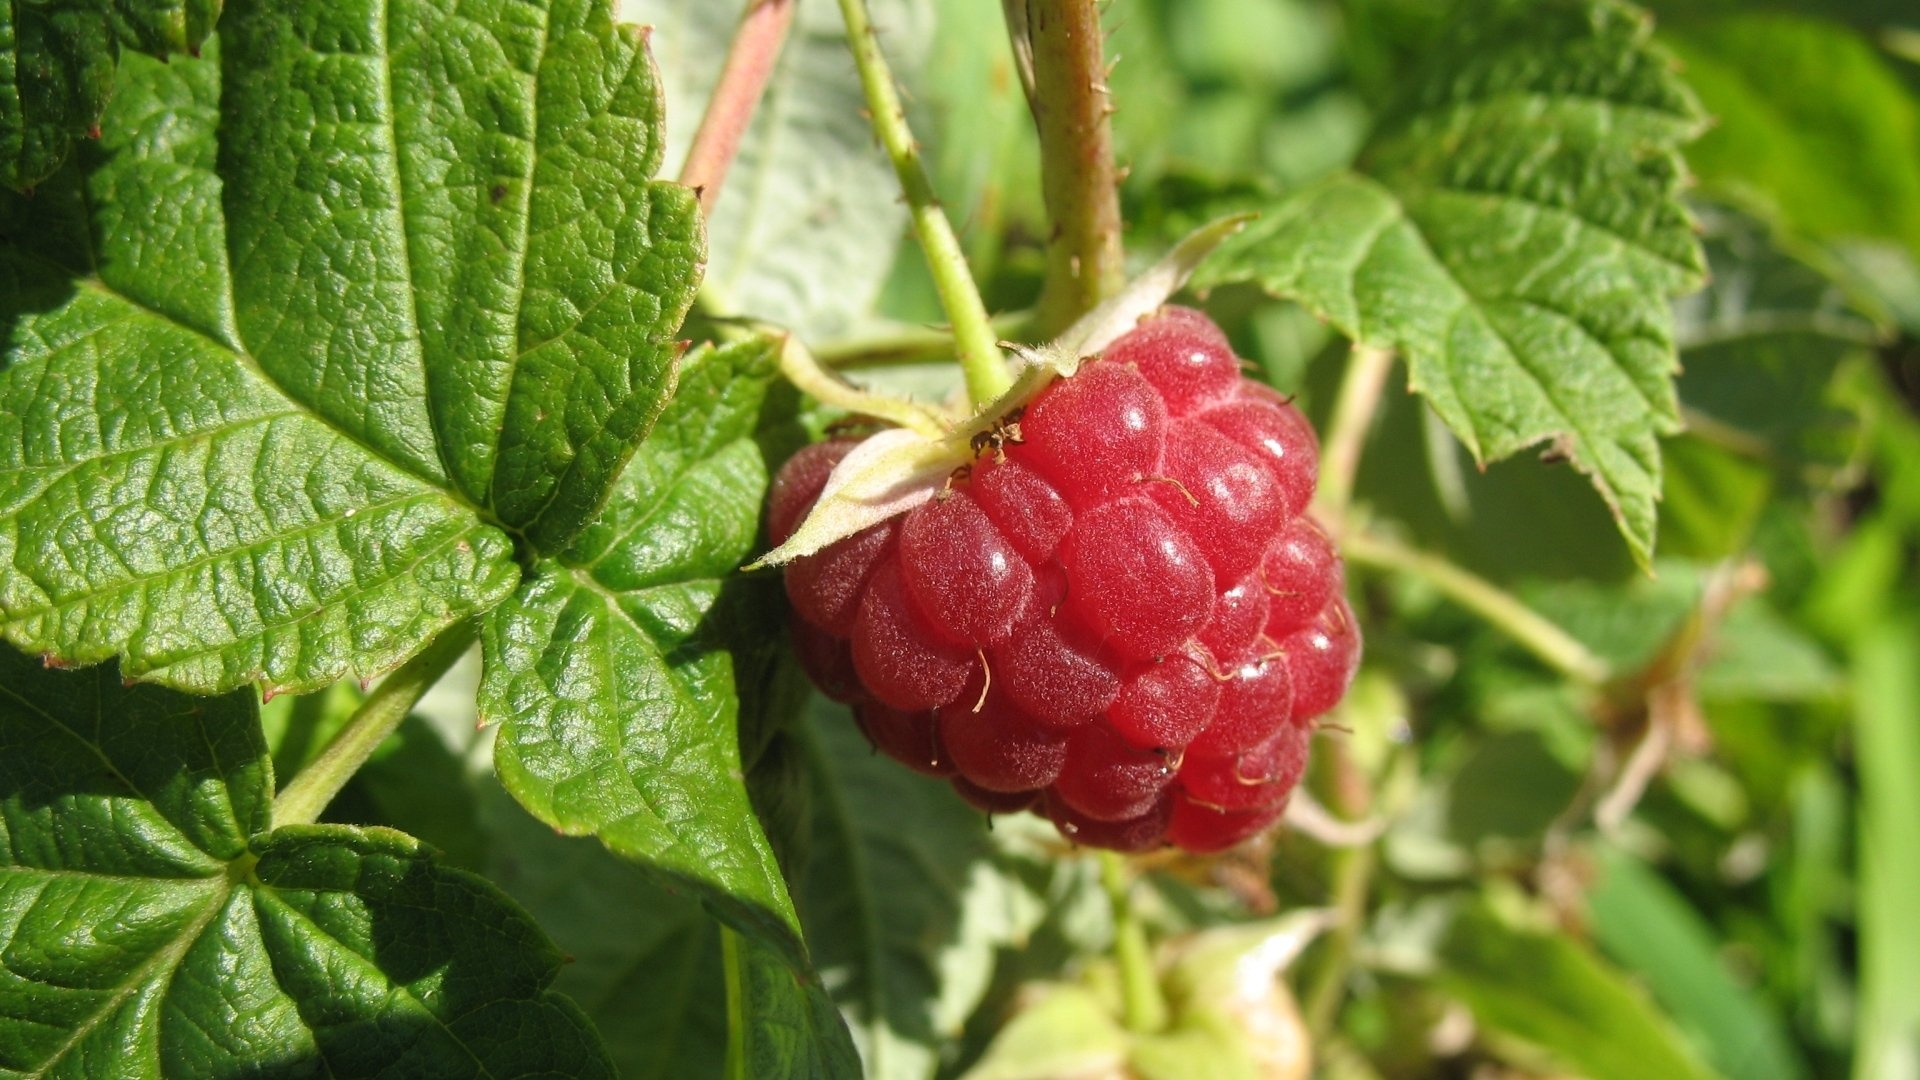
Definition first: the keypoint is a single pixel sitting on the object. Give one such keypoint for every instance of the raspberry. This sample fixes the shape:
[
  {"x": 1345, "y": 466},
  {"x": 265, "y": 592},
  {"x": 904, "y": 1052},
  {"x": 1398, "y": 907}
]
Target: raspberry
[{"x": 1118, "y": 617}]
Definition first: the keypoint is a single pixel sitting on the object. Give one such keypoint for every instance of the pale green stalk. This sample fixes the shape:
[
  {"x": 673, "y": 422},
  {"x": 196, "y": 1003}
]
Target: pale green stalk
[
  {"x": 977, "y": 345},
  {"x": 1528, "y": 628},
  {"x": 301, "y": 801}
]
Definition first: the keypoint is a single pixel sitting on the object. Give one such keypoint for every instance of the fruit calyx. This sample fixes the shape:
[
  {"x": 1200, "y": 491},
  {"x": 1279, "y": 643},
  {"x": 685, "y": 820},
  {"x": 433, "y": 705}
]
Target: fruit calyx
[{"x": 899, "y": 469}]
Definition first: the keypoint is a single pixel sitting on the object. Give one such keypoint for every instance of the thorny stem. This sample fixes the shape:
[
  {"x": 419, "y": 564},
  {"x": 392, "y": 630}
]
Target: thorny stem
[
  {"x": 1145, "y": 1010},
  {"x": 1067, "y": 93},
  {"x": 977, "y": 345},
  {"x": 743, "y": 79},
  {"x": 1528, "y": 628},
  {"x": 1360, "y": 389},
  {"x": 302, "y": 800}
]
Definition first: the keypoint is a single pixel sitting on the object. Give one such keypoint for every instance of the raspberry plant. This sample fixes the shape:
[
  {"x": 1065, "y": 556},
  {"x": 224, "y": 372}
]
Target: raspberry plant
[{"x": 529, "y": 546}]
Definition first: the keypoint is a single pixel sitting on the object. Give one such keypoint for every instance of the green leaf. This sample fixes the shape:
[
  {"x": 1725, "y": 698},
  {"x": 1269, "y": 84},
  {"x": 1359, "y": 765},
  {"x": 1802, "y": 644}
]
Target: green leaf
[
  {"x": 1515, "y": 232},
  {"x": 155, "y": 924},
  {"x": 907, "y": 901},
  {"x": 328, "y": 317},
  {"x": 811, "y": 214},
  {"x": 1555, "y": 996},
  {"x": 648, "y": 965},
  {"x": 57, "y": 70},
  {"x": 1814, "y": 129},
  {"x": 1762, "y": 347},
  {"x": 610, "y": 672},
  {"x": 782, "y": 1027},
  {"x": 1645, "y": 924},
  {"x": 647, "y": 968}
]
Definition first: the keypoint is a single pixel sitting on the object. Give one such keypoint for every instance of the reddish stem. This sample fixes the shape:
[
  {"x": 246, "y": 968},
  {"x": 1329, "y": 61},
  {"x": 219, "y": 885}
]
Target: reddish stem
[{"x": 750, "y": 62}]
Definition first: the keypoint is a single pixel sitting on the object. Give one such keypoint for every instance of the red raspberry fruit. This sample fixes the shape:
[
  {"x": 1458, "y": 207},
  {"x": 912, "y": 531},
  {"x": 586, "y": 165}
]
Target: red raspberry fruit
[{"x": 1118, "y": 617}]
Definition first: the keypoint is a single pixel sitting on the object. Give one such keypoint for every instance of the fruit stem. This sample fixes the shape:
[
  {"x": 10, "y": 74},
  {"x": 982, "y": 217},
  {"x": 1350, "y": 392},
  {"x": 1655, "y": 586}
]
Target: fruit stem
[
  {"x": 976, "y": 344},
  {"x": 805, "y": 372},
  {"x": 302, "y": 800},
  {"x": 1558, "y": 649},
  {"x": 1060, "y": 47},
  {"x": 743, "y": 80},
  {"x": 1144, "y": 1010},
  {"x": 1360, "y": 388}
]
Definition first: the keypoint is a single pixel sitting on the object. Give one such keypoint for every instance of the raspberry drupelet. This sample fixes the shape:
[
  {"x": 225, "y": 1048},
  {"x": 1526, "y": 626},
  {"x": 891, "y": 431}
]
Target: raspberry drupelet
[{"x": 1119, "y": 616}]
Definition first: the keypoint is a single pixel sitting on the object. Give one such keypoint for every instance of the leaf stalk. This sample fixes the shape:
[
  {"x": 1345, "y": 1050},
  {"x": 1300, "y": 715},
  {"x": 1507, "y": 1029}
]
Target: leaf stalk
[
  {"x": 1544, "y": 639},
  {"x": 1360, "y": 388},
  {"x": 302, "y": 800},
  {"x": 976, "y": 343}
]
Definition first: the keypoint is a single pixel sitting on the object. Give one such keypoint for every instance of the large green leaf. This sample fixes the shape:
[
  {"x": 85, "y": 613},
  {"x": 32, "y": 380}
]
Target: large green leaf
[
  {"x": 57, "y": 69},
  {"x": 610, "y": 671},
  {"x": 806, "y": 228},
  {"x": 1814, "y": 128},
  {"x": 908, "y": 902},
  {"x": 155, "y": 924},
  {"x": 1556, "y": 997},
  {"x": 329, "y": 317},
  {"x": 1514, "y": 231}
]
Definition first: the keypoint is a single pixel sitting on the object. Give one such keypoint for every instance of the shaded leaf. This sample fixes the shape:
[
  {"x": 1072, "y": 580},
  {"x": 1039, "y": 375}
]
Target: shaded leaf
[
  {"x": 788, "y": 1028},
  {"x": 1515, "y": 231},
  {"x": 57, "y": 70},
  {"x": 646, "y": 965},
  {"x": 908, "y": 902},
  {"x": 155, "y": 924},
  {"x": 1762, "y": 346},
  {"x": 611, "y": 671}
]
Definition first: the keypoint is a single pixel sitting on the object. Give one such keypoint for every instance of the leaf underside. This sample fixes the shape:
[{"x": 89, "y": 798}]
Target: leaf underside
[
  {"x": 907, "y": 924},
  {"x": 154, "y": 923},
  {"x": 1514, "y": 230},
  {"x": 334, "y": 328}
]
